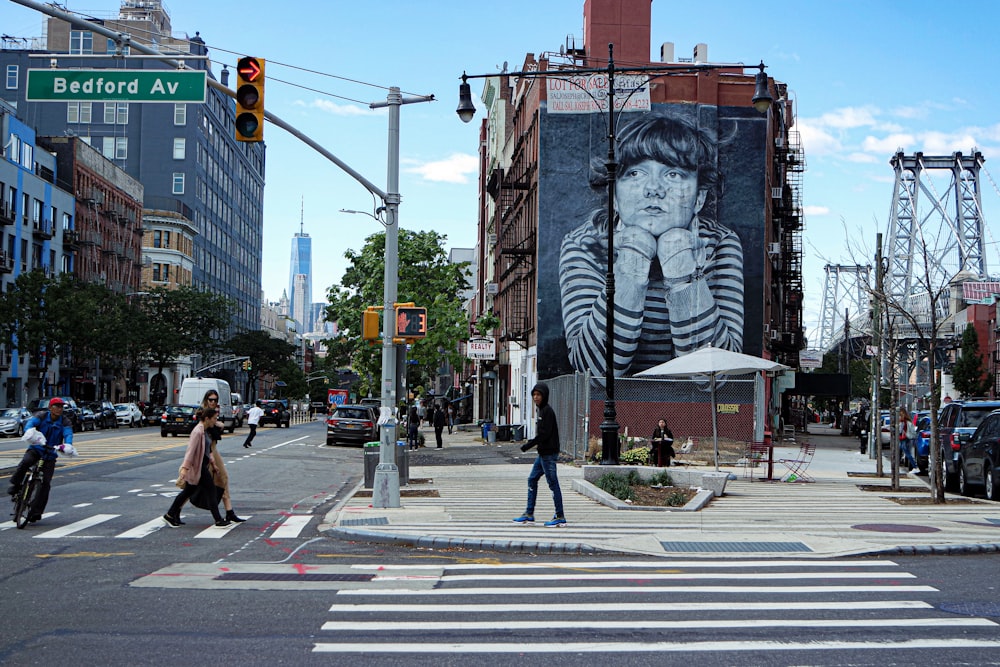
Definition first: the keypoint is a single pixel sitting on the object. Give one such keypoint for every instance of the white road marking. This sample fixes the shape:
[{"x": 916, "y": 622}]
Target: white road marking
[
  {"x": 77, "y": 526},
  {"x": 629, "y": 607},
  {"x": 292, "y": 526}
]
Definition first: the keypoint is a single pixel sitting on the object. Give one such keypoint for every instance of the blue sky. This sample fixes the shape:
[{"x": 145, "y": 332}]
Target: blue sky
[{"x": 868, "y": 78}]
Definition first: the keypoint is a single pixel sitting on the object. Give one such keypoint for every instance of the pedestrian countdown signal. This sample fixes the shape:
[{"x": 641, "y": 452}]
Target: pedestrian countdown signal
[{"x": 411, "y": 322}]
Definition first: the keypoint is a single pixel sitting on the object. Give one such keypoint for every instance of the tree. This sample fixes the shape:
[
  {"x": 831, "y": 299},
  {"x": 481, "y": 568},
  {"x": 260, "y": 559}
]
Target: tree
[
  {"x": 969, "y": 373},
  {"x": 426, "y": 278},
  {"x": 183, "y": 321},
  {"x": 268, "y": 355}
]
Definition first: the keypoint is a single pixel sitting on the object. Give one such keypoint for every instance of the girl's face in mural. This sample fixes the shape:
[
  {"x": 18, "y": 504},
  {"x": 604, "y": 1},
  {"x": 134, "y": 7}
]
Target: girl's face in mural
[{"x": 654, "y": 197}]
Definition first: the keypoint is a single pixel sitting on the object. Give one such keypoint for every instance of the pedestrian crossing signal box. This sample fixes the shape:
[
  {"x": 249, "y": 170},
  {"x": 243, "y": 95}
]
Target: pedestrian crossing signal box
[
  {"x": 411, "y": 322},
  {"x": 369, "y": 325}
]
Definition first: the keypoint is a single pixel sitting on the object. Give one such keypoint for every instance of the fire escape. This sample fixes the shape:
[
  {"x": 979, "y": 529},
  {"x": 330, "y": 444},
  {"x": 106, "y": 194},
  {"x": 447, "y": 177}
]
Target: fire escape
[
  {"x": 786, "y": 335},
  {"x": 516, "y": 232}
]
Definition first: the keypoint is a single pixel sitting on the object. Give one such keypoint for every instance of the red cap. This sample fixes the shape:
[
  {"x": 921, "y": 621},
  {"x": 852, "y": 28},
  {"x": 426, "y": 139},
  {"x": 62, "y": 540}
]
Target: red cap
[{"x": 56, "y": 401}]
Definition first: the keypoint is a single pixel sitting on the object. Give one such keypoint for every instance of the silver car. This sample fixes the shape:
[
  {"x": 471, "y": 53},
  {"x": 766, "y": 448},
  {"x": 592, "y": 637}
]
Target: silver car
[{"x": 12, "y": 421}]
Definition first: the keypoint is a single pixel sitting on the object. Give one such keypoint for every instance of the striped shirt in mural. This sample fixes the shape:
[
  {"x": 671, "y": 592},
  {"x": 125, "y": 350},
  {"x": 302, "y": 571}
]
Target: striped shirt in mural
[{"x": 670, "y": 323}]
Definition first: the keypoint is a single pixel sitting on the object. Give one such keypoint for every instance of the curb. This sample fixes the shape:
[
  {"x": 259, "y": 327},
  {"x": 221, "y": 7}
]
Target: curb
[{"x": 508, "y": 546}]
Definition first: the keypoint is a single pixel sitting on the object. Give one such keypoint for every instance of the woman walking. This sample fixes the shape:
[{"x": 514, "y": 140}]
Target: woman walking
[{"x": 196, "y": 472}]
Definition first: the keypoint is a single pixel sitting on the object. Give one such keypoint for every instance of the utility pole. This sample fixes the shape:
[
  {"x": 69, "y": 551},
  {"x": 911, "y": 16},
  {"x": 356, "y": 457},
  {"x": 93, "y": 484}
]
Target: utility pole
[{"x": 875, "y": 430}]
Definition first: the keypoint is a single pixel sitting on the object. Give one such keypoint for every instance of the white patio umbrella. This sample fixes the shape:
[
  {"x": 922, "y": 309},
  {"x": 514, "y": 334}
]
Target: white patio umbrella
[{"x": 711, "y": 362}]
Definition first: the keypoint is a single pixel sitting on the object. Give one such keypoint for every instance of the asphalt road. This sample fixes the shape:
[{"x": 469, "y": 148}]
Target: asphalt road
[{"x": 126, "y": 590}]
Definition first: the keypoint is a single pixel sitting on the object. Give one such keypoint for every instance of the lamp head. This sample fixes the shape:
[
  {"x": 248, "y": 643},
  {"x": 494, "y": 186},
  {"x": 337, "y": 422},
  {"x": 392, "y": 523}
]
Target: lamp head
[
  {"x": 466, "y": 109},
  {"x": 761, "y": 95}
]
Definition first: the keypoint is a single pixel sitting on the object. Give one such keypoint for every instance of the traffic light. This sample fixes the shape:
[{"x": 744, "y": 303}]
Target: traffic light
[
  {"x": 250, "y": 99},
  {"x": 369, "y": 325},
  {"x": 411, "y": 322}
]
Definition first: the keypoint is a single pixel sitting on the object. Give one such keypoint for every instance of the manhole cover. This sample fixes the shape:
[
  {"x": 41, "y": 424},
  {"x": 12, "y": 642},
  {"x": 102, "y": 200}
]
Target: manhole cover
[{"x": 895, "y": 528}]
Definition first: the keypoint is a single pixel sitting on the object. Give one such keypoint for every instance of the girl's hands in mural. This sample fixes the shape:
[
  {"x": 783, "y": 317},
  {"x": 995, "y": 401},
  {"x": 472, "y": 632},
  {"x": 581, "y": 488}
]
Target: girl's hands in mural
[
  {"x": 636, "y": 249},
  {"x": 675, "y": 249}
]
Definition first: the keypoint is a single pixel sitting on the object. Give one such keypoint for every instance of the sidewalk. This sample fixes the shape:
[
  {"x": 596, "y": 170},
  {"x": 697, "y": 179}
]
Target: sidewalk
[{"x": 468, "y": 496}]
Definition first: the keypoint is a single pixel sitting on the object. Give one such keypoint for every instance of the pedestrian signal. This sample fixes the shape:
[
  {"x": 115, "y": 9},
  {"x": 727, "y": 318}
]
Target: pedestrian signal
[
  {"x": 369, "y": 325},
  {"x": 411, "y": 322}
]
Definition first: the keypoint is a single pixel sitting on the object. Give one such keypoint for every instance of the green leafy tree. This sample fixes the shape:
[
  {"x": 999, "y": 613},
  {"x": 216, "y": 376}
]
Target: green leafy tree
[
  {"x": 426, "y": 278},
  {"x": 268, "y": 355},
  {"x": 969, "y": 374},
  {"x": 184, "y": 321}
]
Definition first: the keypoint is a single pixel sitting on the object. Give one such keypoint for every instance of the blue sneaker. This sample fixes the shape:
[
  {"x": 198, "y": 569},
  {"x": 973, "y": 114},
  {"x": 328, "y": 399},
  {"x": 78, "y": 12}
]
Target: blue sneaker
[
  {"x": 525, "y": 518},
  {"x": 557, "y": 521}
]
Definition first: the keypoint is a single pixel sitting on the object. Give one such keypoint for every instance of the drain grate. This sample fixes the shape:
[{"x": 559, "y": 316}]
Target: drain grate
[
  {"x": 291, "y": 576},
  {"x": 732, "y": 547},
  {"x": 376, "y": 521}
]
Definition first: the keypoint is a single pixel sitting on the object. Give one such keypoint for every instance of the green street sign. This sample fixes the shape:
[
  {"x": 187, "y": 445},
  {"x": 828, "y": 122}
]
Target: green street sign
[{"x": 116, "y": 85}]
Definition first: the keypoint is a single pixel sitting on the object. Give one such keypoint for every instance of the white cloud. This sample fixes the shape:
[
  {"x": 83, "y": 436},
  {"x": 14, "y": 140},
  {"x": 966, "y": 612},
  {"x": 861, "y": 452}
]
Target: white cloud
[
  {"x": 816, "y": 210},
  {"x": 943, "y": 143},
  {"x": 336, "y": 109},
  {"x": 888, "y": 145},
  {"x": 816, "y": 140},
  {"x": 863, "y": 158},
  {"x": 456, "y": 168},
  {"x": 849, "y": 117}
]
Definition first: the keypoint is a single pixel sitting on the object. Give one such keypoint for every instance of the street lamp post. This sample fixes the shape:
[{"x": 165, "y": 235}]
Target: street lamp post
[{"x": 761, "y": 101}]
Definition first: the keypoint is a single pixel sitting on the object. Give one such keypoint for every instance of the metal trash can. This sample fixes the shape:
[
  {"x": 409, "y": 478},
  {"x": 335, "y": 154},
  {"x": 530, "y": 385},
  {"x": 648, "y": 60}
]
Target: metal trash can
[
  {"x": 517, "y": 432},
  {"x": 491, "y": 435},
  {"x": 371, "y": 461},
  {"x": 373, "y": 452},
  {"x": 487, "y": 427},
  {"x": 503, "y": 432}
]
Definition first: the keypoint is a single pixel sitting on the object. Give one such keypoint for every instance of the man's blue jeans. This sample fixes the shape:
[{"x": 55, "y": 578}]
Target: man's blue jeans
[{"x": 544, "y": 465}]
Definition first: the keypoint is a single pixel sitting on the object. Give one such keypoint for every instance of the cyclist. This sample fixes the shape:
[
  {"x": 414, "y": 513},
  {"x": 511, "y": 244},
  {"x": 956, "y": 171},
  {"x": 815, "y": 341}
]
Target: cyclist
[{"x": 58, "y": 430}]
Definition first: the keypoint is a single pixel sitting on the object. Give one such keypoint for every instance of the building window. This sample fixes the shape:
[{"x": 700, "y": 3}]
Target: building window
[
  {"x": 180, "y": 114},
  {"x": 180, "y": 148},
  {"x": 116, "y": 113},
  {"x": 178, "y": 187},
  {"x": 27, "y": 156},
  {"x": 81, "y": 41},
  {"x": 115, "y": 148},
  {"x": 79, "y": 112},
  {"x": 113, "y": 46},
  {"x": 12, "y": 77},
  {"x": 161, "y": 273},
  {"x": 161, "y": 239}
]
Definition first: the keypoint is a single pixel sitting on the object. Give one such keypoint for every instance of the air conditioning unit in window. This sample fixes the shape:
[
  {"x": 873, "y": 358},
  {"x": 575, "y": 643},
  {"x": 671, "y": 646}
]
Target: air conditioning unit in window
[
  {"x": 491, "y": 240},
  {"x": 773, "y": 249}
]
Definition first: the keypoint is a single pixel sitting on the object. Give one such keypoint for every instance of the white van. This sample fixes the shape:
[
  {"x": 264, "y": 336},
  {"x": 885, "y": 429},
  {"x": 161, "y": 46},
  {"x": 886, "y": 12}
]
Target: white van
[{"x": 193, "y": 390}]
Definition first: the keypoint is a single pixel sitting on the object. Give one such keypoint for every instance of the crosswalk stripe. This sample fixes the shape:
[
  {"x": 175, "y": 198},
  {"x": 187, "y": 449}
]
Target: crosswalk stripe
[
  {"x": 215, "y": 532},
  {"x": 628, "y": 607},
  {"x": 660, "y": 564},
  {"x": 741, "y": 646},
  {"x": 639, "y": 624},
  {"x": 291, "y": 526},
  {"x": 655, "y": 576},
  {"x": 574, "y": 590},
  {"x": 143, "y": 529},
  {"x": 76, "y": 527}
]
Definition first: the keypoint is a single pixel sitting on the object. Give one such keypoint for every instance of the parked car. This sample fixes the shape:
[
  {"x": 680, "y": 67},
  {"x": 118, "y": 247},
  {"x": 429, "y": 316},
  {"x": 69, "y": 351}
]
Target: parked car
[
  {"x": 129, "y": 414},
  {"x": 105, "y": 415},
  {"x": 88, "y": 420},
  {"x": 151, "y": 415},
  {"x": 70, "y": 409},
  {"x": 922, "y": 421},
  {"x": 958, "y": 421},
  {"x": 885, "y": 434},
  {"x": 12, "y": 421},
  {"x": 239, "y": 412},
  {"x": 978, "y": 460},
  {"x": 353, "y": 423},
  {"x": 178, "y": 420},
  {"x": 276, "y": 412}
]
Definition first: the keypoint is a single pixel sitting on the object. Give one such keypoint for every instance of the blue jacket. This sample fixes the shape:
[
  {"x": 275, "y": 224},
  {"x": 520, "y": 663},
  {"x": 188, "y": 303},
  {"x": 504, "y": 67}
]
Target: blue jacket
[{"x": 55, "y": 432}]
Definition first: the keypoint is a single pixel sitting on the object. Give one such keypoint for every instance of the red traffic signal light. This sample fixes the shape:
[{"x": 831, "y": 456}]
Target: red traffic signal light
[
  {"x": 411, "y": 322},
  {"x": 250, "y": 99}
]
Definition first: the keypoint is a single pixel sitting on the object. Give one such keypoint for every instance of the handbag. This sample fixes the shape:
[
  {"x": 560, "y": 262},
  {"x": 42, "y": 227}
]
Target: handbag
[{"x": 207, "y": 496}]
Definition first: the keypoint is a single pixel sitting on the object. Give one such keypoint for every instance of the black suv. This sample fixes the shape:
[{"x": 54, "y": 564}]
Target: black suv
[
  {"x": 104, "y": 414},
  {"x": 276, "y": 412},
  {"x": 957, "y": 423},
  {"x": 70, "y": 410},
  {"x": 978, "y": 458}
]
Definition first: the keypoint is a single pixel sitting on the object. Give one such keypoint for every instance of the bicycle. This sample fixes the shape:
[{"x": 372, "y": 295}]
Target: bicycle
[{"x": 31, "y": 486}]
